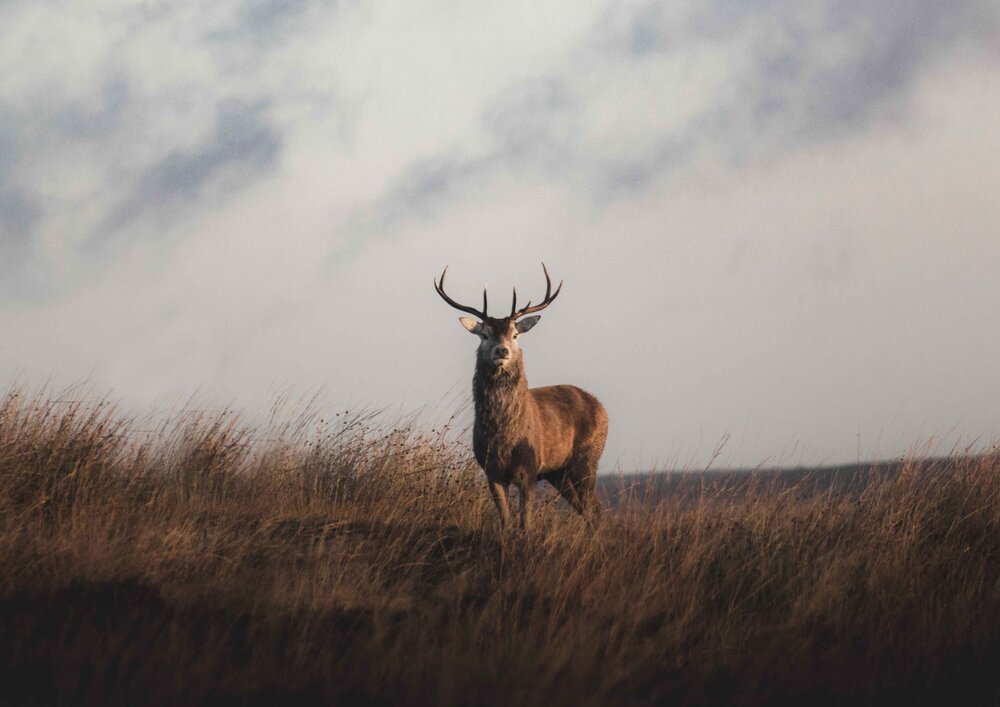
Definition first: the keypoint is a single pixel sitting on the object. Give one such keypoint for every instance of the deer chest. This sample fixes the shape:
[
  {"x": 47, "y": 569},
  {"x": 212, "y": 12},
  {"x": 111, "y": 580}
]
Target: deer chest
[{"x": 503, "y": 456}]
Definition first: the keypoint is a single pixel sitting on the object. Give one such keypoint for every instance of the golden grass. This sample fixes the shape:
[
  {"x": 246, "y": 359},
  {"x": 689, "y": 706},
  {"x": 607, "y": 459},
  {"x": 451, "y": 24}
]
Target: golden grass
[{"x": 351, "y": 561}]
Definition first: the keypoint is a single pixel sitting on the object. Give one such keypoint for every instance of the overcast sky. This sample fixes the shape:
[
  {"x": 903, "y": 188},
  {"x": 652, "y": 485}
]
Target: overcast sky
[{"x": 778, "y": 222}]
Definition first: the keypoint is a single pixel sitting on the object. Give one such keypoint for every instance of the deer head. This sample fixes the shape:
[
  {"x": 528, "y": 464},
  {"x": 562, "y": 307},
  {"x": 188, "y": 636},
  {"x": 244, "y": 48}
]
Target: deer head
[{"x": 498, "y": 347}]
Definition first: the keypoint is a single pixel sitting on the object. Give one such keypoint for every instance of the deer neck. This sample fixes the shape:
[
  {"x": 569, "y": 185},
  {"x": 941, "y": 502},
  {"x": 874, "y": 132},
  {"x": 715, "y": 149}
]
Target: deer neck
[{"x": 500, "y": 396}]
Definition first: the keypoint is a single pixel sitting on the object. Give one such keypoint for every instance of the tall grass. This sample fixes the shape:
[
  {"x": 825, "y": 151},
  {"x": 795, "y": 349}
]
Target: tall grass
[{"x": 356, "y": 561}]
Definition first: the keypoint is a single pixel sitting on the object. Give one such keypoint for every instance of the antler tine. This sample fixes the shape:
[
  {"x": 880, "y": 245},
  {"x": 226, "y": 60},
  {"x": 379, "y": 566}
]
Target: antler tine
[
  {"x": 439, "y": 287},
  {"x": 513, "y": 306},
  {"x": 549, "y": 297}
]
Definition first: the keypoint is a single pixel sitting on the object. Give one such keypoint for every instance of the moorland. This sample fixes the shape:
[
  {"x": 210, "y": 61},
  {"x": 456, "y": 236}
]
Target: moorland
[{"x": 352, "y": 559}]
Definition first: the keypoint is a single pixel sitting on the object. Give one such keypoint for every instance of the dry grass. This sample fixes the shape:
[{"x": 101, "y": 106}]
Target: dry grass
[{"x": 347, "y": 561}]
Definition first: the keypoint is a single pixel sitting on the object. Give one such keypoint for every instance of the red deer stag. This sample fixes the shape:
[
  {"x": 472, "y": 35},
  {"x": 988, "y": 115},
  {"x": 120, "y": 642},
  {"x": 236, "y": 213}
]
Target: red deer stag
[{"x": 523, "y": 434}]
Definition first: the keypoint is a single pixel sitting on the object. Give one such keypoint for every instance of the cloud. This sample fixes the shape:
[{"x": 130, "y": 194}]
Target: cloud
[
  {"x": 266, "y": 22},
  {"x": 853, "y": 66},
  {"x": 19, "y": 214},
  {"x": 126, "y": 123},
  {"x": 806, "y": 73},
  {"x": 779, "y": 76},
  {"x": 243, "y": 147}
]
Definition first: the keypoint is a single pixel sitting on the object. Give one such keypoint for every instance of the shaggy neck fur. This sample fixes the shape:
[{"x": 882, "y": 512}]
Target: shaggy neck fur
[{"x": 500, "y": 394}]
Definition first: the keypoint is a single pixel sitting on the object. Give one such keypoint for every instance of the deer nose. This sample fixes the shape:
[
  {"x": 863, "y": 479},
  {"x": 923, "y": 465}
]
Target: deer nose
[{"x": 501, "y": 352}]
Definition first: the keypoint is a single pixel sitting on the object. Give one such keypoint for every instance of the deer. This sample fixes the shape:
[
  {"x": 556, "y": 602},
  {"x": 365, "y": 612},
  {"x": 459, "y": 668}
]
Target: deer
[{"x": 523, "y": 435}]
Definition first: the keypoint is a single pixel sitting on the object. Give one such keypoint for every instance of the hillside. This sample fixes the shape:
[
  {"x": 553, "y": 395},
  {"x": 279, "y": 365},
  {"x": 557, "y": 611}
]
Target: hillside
[{"x": 359, "y": 561}]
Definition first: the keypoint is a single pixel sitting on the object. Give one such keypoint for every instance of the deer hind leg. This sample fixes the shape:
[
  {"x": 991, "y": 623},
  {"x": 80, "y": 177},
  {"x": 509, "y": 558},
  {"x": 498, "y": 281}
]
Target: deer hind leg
[
  {"x": 581, "y": 476},
  {"x": 499, "y": 492},
  {"x": 562, "y": 480},
  {"x": 527, "y": 488}
]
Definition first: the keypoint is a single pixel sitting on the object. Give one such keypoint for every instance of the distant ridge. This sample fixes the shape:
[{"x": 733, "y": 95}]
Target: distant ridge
[{"x": 690, "y": 485}]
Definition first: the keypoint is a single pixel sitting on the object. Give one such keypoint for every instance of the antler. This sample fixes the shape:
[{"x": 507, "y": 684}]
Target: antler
[
  {"x": 516, "y": 313},
  {"x": 439, "y": 286}
]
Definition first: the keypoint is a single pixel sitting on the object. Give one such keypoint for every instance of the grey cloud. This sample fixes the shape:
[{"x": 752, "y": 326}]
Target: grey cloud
[
  {"x": 790, "y": 92},
  {"x": 657, "y": 26},
  {"x": 19, "y": 214},
  {"x": 242, "y": 137},
  {"x": 20, "y": 209},
  {"x": 170, "y": 177},
  {"x": 528, "y": 120},
  {"x": 48, "y": 117},
  {"x": 11, "y": 142},
  {"x": 428, "y": 182},
  {"x": 264, "y": 22},
  {"x": 420, "y": 190},
  {"x": 889, "y": 47},
  {"x": 526, "y": 130},
  {"x": 25, "y": 129},
  {"x": 264, "y": 17},
  {"x": 243, "y": 147},
  {"x": 787, "y": 93},
  {"x": 96, "y": 119},
  {"x": 615, "y": 176}
]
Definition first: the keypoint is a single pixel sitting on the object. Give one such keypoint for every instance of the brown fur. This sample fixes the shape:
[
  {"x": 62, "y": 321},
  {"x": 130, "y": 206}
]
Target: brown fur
[{"x": 522, "y": 435}]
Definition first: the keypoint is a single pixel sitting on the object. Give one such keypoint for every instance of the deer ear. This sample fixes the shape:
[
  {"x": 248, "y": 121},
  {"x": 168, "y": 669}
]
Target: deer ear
[
  {"x": 526, "y": 323},
  {"x": 473, "y": 325}
]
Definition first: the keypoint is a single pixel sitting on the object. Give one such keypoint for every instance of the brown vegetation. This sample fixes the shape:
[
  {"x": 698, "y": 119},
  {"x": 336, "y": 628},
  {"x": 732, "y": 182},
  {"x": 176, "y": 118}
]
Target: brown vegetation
[{"x": 345, "y": 561}]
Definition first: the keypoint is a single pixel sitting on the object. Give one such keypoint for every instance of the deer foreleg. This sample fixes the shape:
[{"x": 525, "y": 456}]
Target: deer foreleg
[{"x": 499, "y": 492}]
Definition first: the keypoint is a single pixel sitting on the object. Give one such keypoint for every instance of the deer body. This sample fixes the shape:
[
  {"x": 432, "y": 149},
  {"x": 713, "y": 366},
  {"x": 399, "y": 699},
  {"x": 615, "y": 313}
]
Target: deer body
[{"x": 522, "y": 435}]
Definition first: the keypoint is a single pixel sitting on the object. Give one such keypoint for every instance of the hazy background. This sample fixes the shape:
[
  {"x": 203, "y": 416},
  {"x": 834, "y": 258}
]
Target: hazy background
[{"x": 777, "y": 221}]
